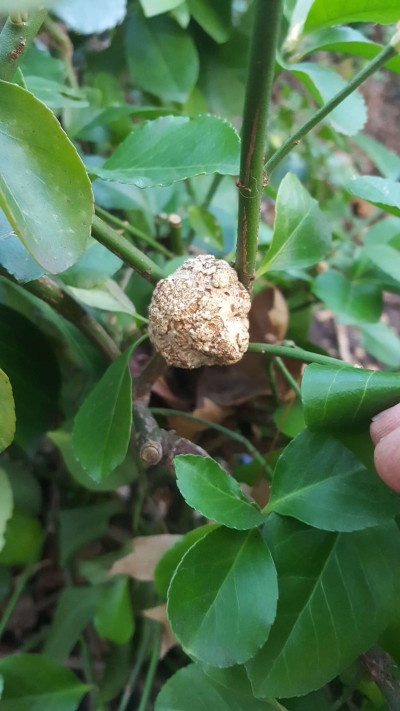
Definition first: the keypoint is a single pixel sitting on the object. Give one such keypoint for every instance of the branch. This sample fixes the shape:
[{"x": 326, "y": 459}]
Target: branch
[
  {"x": 126, "y": 251},
  {"x": 15, "y": 37},
  {"x": 175, "y": 223},
  {"x": 156, "y": 445},
  {"x": 216, "y": 426},
  {"x": 387, "y": 53},
  {"x": 385, "y": 673},
  {"x": 65, "y": 47},
  {"x": 297, "y": 354},
  {"x": 266, "y": 25},
  {"x": 143, "y": 383},
  {"x": 289, "y": 377},
  {"x": 127, "y": 227},
  {"x": 48, "y": 291}
]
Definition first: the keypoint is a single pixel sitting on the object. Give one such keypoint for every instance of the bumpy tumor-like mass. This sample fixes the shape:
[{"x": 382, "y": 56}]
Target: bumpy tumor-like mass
[{"x": 198, "y": 315}]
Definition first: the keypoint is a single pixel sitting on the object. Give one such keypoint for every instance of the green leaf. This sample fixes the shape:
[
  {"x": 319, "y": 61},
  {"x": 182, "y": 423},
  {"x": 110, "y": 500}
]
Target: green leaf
[
  {"x": 162, "y": 57},
  {"x": 190, "y": 689},
  {"x": 14, "y": 257},
  {"x": 387, "y": 162},
  {"x": 26, "y": 488},
  {"x": 206, "y": 226},
  {"x": 6, "y": 504},
  {"x": 63, "y": 333},
  {"x": 233, "y": 678},
  {"x": 323, "y": 83},
  {"x": 86, "y": 121},
  {"x": 123, "y": 475},
  {"x": 170, "y": 560},
  {"x": 81, "y": 526},
  {"x": 56, "y": 95},
  {"x": 385, "y": 257},
  {"x": 351, "y": 301},
  {"x": 118, "y": 666},
  {"x": 158, "y": 7},
  {"x": 342, "y": 12},
  {"x": 102, "y": 427},
  {"x": 335, "y": 592},
  {"x": 381, "y": 192},
  {"x": 23, "y": 535},
  {"x": 36, "y": 681},
  {"x": 44, "y": 189},
  {"x": 301, "y": 232},
  {"x": 95, "y": 267},
  {"x": 38, "y": 62},
  {"x": 320, "y": 482},
  {"x": 223, "y": 574},
  {"x": 34, "y": 379},
  {"x": 381, "y": 342},
  {"x": 174, "y": 148},
  {"x": 347, "y": 40},
  {"x": 382, "y": 246},
  {"x": 214, "y": 18},
  {"x": 207, "y": 488},
  {"x": 75, "y": 609},
  {"x": 289, "y": 418},
  {"x": 7, "y": 412},
  {"x": 92, "y": 15},
  {"x": 107, "y": 297},
  {"x": 7, "y": 6},
  {"x": 336, "y": 398},
  {"x": 114, "y": 618}
]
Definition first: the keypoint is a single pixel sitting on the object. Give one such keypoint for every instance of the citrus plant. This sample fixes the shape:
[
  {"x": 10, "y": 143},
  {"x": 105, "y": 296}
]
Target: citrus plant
[{"x": 188, "y": 501}]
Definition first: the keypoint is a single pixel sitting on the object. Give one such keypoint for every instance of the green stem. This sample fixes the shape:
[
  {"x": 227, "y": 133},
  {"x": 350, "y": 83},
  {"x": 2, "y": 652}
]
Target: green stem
[
  {"x": 126, "y": 251},
  {"x": 151, "y": 670},
  {"x": 289, "y": 377},
  {"x": 47, "y": 290},
  {"x": 144, "y": 645},
  {"x": 175, "y": 223},
  {"x": 15, "y": 37},
  {"x": 66, "y": 49},
  {"x": 297, "y": 354},
  {"x": 212, "y": 190},
  {"x": 19, "y": 588},
  {"x": 96, "y": 702},
  {"x": 387, "y": 53},
  {"x": 266, "y": 25},
  {"x": 272, "y": 382},
  {"x": 219, "y": 428},
  {"x": 127, "y": 227}
]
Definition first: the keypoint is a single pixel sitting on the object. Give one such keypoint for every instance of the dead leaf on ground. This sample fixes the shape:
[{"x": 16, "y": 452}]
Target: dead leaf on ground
[
  {"x": 269, "y": 316},
  {"x": 260, "y": 492},
  {"x": 168, "y": 639},
  {"x": 147, "y": 551},
  {"x": 209, "y": 410},
  {"x": 162, "y": 389}
]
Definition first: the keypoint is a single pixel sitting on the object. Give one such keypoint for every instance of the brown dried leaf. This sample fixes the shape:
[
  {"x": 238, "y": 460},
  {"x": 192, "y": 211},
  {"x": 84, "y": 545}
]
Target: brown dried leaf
[
  {"x": 269, "y": 316},
  {"x": 147, "y": 551},
  {"x": 208, "y": 411},
  {"x": 168, "y": 639},
  {"x": 260, "y": 492}
]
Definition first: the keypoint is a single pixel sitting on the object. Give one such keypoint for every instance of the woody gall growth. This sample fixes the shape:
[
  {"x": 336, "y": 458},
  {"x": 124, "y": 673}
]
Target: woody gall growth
[{"x": 198, "y": 315}]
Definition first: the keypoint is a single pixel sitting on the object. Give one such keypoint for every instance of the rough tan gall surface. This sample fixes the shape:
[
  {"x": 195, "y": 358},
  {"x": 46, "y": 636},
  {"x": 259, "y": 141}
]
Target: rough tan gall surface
[{"x": 198, "y": 315}]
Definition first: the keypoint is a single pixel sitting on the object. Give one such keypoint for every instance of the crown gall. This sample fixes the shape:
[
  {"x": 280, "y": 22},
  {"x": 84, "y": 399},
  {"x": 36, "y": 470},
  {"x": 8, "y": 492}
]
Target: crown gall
[{"x": 198, "y": 315}]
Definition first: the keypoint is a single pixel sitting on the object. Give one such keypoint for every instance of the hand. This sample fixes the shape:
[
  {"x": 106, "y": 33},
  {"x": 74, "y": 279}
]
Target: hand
[{"x": 385, "y": 433}]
